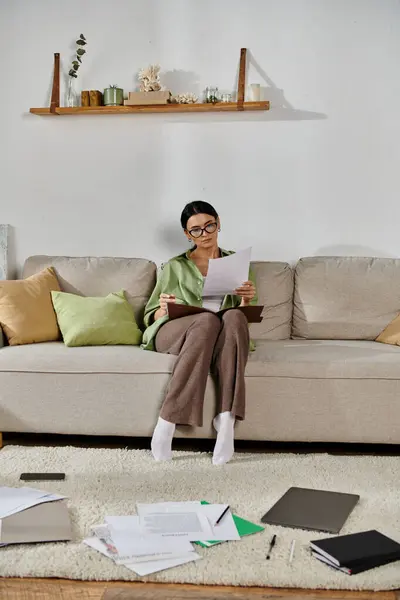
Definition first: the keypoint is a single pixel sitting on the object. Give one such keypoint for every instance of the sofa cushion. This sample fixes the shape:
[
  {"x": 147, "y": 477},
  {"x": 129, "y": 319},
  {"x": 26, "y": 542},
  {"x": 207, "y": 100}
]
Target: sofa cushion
[
  {"x": 391, "y": 333},
  {"x": 90, "y": 276},
  {"x": 275, "y": 291},
  {"x": 314, "y": 359},
  {"x": 87, "y": 321},
  {"x": 26, "y": 312},
  {"x": 324, "y": 359},
  {"x": 55, "y": 357},
  {"x": 351, "y": 298}
]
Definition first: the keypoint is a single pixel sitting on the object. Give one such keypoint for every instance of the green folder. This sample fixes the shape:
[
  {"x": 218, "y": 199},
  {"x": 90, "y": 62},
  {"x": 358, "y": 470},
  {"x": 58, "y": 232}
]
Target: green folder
[{"x": 244, "y": 528}]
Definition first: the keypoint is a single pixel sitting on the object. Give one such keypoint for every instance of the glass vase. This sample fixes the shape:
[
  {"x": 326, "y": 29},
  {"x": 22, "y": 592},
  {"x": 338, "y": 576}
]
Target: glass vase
[
  {"x": 211, "y": 95},
  {"x": 72, "y": 94}
]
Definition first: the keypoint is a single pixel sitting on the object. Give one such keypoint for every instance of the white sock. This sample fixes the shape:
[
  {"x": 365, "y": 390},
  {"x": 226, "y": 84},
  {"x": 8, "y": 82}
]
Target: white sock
[
  {"x": 161, "y": 441},
  {"x": 223, "y": 451}
]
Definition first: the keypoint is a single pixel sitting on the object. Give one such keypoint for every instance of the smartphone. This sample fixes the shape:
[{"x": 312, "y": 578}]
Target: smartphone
[{"x": 42, "y": 476}]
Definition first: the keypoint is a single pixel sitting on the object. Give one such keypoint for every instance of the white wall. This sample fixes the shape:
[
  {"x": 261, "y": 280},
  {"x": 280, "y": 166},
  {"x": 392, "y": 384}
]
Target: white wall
[{"x": 318, "y": 174}]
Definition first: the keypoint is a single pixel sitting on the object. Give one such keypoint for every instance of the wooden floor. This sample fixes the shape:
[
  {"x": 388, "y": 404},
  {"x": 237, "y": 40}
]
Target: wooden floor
[
  {"x": 45, "y": 589},
  {"x": 60, "y": 589}
]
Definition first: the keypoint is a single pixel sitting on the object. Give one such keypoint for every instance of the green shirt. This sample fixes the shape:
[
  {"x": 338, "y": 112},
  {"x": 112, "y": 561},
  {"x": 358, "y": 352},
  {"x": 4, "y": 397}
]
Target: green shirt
[{"x": 181, "y": 277}]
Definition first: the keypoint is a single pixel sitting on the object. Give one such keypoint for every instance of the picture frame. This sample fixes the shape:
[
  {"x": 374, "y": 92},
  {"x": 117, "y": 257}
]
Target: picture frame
[{"x": 4, "y": 233}]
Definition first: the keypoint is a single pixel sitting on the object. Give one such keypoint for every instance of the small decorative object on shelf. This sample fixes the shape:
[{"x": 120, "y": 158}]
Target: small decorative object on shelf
[
  {"x": 187, "y": 98},
  {"x": 150, "y": 79},
  {"x": 113, "y": 96},
  {"x": 255, "y": 89},
  {"x": 72, "y": 96},
  {"x": 226, "y": 97},
  {"x": 212, "y": 95},
  {"x": 95, "y": 98},
  {"x": 151, "y": 91},
  {"x": 146, "y": 98},
  {"x": 85, "y": 98}
]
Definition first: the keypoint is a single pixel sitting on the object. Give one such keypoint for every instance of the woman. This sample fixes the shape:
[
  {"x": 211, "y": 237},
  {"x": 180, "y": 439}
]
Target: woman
[{"x": 202, "y": 342}]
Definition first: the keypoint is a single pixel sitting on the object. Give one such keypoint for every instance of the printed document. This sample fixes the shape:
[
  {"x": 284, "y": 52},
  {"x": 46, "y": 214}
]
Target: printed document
[
  {"x": 179, "y": 520},
  {"x": 226, "y": 274},
  {"x": 103, "y": 533},
  {"x": 187, "y": 519},
  {"x": 130, "y": 539},
  {"x": 13, "y": 500},
  {"x": 144, "y": 568}
]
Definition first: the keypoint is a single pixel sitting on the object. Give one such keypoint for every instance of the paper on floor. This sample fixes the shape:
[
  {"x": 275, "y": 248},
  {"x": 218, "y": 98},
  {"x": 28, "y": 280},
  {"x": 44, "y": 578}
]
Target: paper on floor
[
  {"x": 145, "y": 568},
  {"x": 104, "y": 535},
  {"x": 13, "y": 500},
  {"x": 191, "y": 526},
  {"x": 130, "y": 539},
  {"x": 226, "y": 530},
  {"x": 175, "y": 518},
  {"x": 226, "y": 274},
  {"x": 168, "y": 506}
]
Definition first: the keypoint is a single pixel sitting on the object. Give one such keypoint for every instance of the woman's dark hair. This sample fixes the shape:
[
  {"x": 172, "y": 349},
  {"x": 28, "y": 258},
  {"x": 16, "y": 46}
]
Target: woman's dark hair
[{"x": 198, "y": 207}]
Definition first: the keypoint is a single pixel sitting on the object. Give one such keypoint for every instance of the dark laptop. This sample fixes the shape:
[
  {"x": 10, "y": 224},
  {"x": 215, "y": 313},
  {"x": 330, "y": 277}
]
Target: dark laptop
[{"x": 318, "y": 510}]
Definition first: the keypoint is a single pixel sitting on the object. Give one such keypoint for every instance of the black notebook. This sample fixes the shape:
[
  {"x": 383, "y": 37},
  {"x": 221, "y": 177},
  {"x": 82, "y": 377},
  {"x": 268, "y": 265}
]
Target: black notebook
[
  {"x": 357, "y": 549},
  {"x": 360, "y": 568}
]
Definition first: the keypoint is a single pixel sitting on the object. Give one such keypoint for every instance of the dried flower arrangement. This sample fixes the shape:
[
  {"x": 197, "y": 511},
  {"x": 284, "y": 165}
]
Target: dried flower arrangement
[
  {"x": 187, "y": 98},
  {"x": 150, "y": 79},
  {"x": 73, "y": 72}
]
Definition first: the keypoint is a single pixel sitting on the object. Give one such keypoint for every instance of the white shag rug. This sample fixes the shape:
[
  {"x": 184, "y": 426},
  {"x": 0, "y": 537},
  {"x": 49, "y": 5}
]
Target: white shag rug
[{"x": 110, "y": 481}]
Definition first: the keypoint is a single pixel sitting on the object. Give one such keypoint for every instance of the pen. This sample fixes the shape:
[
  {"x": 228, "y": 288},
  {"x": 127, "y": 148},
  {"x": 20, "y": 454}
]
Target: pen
[
  {"x": 292, "y": 551},
  {"x": 222, "y": 515},
  {"x": 271, "y": 545}
]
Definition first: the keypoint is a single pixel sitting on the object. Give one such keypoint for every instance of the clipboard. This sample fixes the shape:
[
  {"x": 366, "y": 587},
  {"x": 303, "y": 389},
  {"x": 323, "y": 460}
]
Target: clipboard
[
  {"x": 177, "y": 311},
  {"x": 46, "y": 522}
]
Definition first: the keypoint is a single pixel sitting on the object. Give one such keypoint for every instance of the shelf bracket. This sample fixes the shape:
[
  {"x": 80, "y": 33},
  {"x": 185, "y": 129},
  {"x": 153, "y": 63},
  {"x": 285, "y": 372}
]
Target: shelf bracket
[
  {"x": 55, "y": 92},
  {"x": 242, "y": 78}
]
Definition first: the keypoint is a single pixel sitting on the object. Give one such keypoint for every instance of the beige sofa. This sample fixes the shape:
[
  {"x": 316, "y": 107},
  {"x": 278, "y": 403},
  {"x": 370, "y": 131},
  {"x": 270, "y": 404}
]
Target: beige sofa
[{"x": 316, "y": 375}]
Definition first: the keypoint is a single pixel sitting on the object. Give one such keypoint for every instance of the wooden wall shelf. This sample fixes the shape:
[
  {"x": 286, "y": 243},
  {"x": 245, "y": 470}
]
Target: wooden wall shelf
[
  {"x": 56, "y": 110},
  {"x": 151, "y": 108}
]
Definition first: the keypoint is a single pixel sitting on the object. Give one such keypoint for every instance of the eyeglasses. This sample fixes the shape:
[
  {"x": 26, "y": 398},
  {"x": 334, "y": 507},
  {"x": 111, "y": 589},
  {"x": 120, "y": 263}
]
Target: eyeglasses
[{"x": 197, "y": 232}]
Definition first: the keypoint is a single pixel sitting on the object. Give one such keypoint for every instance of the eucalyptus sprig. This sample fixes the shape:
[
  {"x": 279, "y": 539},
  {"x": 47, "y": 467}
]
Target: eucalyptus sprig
[{"x": 73, "y": 72}]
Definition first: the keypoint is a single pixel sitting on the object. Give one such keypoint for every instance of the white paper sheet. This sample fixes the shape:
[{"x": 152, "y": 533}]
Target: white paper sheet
[
  {"x": 102, "y": 532},
  {"x": 13, "y": 500},
  {"x": 192, "y": 526},
  {"x": 145, "y": 568},
  {"x": 168, "y": 506},
  {"x": 173, "y": 519},
  {"x": 165, "y": 516},
  {"x": 226, "y": 274},
  {"x": 226, "y": 530},
  {"x": 130, "y": 539},
  {"x": 161, "y": 565}
]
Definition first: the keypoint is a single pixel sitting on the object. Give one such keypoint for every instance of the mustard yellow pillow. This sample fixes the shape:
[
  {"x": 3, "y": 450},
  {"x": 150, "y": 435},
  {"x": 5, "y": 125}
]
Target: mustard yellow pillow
[
  {"x": 26, "y": 312},
  {"x": 391, "y": 333}
]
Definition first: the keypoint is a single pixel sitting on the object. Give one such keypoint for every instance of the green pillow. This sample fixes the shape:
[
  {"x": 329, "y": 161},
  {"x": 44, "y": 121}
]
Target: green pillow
[{"x": 96, "y": 321}]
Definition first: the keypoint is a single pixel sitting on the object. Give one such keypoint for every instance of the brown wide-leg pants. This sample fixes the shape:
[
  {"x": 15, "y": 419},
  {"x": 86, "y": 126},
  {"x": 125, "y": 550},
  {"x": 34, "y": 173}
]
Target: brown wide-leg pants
[{"x": 204, "y": 343}]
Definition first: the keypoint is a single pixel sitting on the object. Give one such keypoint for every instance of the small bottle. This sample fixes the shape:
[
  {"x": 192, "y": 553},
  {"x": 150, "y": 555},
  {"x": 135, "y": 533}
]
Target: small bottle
[
  {"x": 211, "y": 95},
  {"x": 226, "y": 97}
]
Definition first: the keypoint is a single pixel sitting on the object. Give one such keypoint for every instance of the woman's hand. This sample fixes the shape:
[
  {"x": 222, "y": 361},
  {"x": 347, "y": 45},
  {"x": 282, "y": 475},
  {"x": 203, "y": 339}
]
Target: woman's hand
[
  {"x": 246, "y": 291},
  {"x": 164, "y": 301}
]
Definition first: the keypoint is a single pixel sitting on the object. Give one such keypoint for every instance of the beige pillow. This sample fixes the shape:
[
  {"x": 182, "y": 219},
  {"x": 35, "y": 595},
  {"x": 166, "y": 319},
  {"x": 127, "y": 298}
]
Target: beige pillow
[
  {"x": 26, "y": 311},
  {"x": 391, "y": 333}
]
